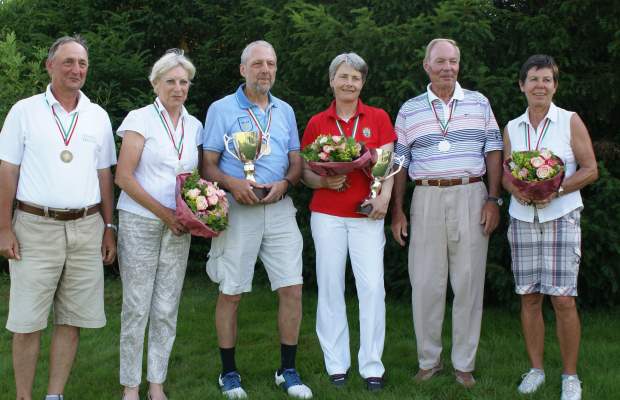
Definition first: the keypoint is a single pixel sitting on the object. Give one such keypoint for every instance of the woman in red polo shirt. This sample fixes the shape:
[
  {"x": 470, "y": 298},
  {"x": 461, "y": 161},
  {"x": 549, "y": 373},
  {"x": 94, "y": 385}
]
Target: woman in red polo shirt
[{"x": 338, "y": 229}]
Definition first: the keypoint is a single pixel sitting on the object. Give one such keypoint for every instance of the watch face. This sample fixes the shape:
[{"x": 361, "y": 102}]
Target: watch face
[{"x": 500, "y": 201}]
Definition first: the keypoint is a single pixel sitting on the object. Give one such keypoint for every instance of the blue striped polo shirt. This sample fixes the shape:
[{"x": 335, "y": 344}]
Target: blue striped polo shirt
[{"x": 472, "y": 132}]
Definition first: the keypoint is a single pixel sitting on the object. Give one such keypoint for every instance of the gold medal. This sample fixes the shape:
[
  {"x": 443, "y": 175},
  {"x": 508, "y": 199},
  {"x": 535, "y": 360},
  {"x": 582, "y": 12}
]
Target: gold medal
[{"x": 66, "y": 156}]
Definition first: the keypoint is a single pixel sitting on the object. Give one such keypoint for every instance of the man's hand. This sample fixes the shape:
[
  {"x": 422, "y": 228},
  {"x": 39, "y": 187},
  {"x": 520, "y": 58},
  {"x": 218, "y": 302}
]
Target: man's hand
[
  {"x": 108, "y": 247},
  {"x": 399, "y": 227},
  {"x": 379, "y": 207},
  {"x": 9, "y": 247},
  {"x": 241, "y": 190},
  {"x": 277, "y": 190},
  {"x": 489, "y": 217}
]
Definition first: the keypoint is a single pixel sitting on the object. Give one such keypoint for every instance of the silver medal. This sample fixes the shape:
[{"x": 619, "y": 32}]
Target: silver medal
[{"x": 444, "y": 146}]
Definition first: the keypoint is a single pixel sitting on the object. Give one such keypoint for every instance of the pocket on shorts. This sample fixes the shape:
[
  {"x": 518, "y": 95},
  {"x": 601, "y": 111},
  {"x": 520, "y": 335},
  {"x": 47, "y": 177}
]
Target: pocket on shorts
[{"x": 213, "y": 258}]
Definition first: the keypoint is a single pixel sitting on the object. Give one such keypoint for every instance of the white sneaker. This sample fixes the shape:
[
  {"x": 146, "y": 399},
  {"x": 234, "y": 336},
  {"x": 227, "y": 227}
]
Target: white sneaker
[
  {"x": 571, "y": 388},
  {"x": 292, "y": 384},
  {"x": 531, "y": 381}
]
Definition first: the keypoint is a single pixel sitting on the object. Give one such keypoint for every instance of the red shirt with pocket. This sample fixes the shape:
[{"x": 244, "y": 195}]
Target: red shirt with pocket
[{"x": 374, "y": 129}]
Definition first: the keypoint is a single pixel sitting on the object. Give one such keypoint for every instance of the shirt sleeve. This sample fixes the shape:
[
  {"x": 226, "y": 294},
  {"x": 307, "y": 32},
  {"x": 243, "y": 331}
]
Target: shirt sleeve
[
  {"x": 386, "y": 133},
  {"x": 310, "y": 133},
  {"x": 107, "y": 153},
  {"x": 493, "y": 136},
  {"x": 12, "y": 137},
  {"x": 134, "y": 122},
  {"x": 293, "y": 140},
  {"x": 214, "y": 129},
  {"x": 402, "y": 147}
]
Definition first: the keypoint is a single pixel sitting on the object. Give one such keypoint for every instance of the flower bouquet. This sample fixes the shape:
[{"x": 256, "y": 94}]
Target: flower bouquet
[
  {"x": 202, "y": 207},
  {"x": 332, "y": 155},
  {"x": 537, "y": 174}
]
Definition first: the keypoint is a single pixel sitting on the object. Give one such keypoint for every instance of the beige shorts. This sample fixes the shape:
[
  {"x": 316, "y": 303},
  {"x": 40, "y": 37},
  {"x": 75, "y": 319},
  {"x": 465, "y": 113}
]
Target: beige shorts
[
  {"x": 60, "y": 265},
  {"x": 266, "y": 231}
]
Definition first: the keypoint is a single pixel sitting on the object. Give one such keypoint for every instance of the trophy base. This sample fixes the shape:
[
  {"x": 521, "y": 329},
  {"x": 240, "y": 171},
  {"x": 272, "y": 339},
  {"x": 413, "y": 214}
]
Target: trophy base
[
  {"x": 366, "y": 210},
  {"x": 261, "y": 193}
]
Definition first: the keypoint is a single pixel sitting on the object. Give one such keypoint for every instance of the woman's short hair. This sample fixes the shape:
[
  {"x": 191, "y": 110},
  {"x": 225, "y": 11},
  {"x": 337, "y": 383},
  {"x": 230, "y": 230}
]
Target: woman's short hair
[
  {"x": 170, "y": 60},
  {"x": 539, "y": 61},
  {"x": 353, "y": 60}
]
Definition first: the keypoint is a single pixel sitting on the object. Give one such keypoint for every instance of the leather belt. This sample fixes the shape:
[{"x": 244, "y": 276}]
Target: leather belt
[
  {"x": 448, "y": 182},
  {"x": 58, "y": 214}
]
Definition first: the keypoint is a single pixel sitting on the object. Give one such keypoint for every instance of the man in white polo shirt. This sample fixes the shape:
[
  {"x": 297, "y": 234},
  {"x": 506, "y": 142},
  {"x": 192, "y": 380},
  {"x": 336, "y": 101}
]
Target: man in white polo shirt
[
  {"x": 449, "y": 138},
  {"x": 56, "y": 150}
]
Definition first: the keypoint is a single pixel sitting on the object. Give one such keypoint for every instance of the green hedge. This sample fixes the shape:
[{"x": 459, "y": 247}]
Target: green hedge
[{"x": 495, "y": 37}]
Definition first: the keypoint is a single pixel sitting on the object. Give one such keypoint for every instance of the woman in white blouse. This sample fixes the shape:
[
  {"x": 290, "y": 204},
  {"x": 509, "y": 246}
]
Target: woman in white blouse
[
  {"x": 545, "y": 236},
  {"x": 160, "y": 141}
]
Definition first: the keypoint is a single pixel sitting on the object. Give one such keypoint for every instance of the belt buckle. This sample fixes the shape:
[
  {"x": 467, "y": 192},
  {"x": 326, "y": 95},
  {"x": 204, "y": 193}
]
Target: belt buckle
[
  {"x": 85, "y": 212},
  {"x": 424, "y": 182},
  {"x": 464, "y": 180},
  {"x": 439, "y": 183},
  {"x": 46, "y": 211}
]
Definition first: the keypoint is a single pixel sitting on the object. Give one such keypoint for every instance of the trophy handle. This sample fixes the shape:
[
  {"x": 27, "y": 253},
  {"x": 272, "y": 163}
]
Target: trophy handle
[
  {"x": 227, "y": 140},
  {"x": 397, "y": 160}
]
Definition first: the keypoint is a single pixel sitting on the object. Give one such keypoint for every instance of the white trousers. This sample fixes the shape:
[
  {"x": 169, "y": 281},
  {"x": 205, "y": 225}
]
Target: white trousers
[
  {"x": 364, "y": 240},
  {"x": 152, "y": 262}
]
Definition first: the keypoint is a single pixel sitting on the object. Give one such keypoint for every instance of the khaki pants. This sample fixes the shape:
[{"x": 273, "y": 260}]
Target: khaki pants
[
  {"x": 60, "y": 264},
  {"x": 447, "y": 243}
]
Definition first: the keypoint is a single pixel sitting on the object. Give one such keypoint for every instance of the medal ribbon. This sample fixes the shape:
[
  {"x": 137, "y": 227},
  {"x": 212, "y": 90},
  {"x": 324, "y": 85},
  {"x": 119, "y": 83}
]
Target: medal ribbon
[
  {"x": 177, "y": 147},
  {"x": 444, "y": 127},
  {"x": 357, "y": 119},
  {"x": 544, "y": 129},
  {"x": 65, "y": 134},
  {"x": 264, "y": 133}
]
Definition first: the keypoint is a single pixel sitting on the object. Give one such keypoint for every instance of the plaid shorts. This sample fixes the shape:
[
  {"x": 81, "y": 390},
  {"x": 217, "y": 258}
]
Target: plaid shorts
[{"x": 545, "y": 256}]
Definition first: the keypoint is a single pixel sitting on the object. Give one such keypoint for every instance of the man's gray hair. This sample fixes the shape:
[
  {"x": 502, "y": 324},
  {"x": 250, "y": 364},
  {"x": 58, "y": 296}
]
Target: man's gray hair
[
  {"x": 353, "y": 60},
  {"x": 245, "y": 54},
  {"x": 172, "y": 59},
  {"x": 64, "y": 40},
  {"x": 432, "y": 44}
]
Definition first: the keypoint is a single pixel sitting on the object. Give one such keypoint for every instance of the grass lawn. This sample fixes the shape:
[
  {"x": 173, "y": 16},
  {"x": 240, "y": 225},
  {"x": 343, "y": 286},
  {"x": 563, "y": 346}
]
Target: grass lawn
[{"x": 195, "y": 360}]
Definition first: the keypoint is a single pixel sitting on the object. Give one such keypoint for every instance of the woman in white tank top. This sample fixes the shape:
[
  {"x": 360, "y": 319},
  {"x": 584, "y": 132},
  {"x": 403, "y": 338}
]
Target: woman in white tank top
[{"x": 545, "y": 236}]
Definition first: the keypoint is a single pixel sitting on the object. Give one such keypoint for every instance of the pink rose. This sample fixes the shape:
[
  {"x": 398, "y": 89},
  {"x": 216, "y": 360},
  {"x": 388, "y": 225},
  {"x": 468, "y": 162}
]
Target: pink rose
[
  {"x": 543, "y": 171},
  {"x": 201, "y": 203},
  {"x": 221, "y": 193},
  {"x": 336, "y": 139},
  {"x": 328, "y": 149},
  {"x": 537, "y": 162},
  {"x": 210, "y": 190},
  {"x": 324, "y": 156},
  {"x": 213, "y": 199},
  {"x": 524, "y": 173},
  {"x": 192, "y": 193},
  {"x": 546, "y": 154},
  {"x": 552, "y": 162}
]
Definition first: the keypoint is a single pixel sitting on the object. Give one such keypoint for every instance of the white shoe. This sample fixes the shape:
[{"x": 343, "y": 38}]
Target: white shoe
[
  {"x": 531, "y": 381},
  {"x": 571, "y": 388},
  {"x": 292, "y": 384}
]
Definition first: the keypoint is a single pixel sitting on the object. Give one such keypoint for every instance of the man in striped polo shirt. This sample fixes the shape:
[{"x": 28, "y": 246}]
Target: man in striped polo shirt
[{"x": 450, "y": 139}]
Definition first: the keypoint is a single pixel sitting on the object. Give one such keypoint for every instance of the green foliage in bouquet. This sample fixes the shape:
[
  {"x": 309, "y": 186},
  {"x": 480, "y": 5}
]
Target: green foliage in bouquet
[
  {"x": 207, "y": 201},
  {"x": 534, "y": 165},
  {"x": 328, "y": 148}
]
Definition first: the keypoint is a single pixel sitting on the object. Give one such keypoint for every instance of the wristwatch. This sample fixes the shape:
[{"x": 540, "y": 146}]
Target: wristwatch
[
  {"x": 112, "y": 226},
  {"x": 560, "y": 191},
  {"x": 498, "y": 200}
]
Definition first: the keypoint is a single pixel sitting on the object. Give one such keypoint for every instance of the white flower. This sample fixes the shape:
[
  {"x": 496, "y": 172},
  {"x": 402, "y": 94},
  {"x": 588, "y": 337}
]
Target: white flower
[{"x": 192, "y": 193}]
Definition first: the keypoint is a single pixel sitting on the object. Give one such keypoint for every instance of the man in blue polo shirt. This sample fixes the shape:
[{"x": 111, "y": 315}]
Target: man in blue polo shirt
[{"x": 258, "y": 227}]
